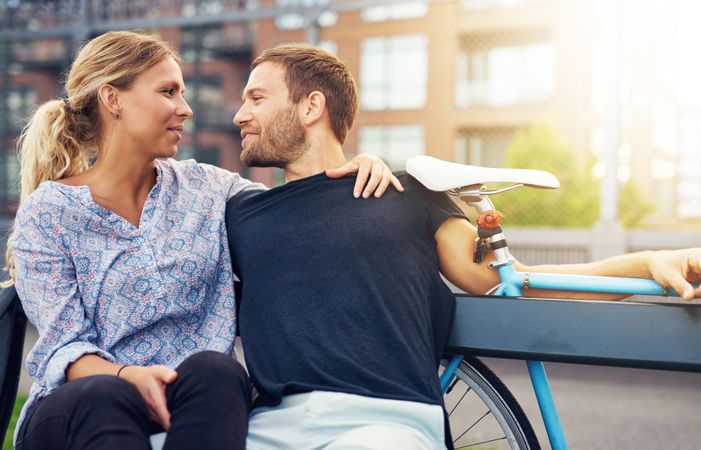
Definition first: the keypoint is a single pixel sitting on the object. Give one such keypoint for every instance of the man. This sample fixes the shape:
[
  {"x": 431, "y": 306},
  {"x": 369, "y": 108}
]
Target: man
[{"x": 343, "y": 314}]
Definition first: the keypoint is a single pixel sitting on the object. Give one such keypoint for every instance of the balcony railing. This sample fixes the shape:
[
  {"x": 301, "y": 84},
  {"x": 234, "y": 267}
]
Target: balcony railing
[{"x": 31, "y": 19}]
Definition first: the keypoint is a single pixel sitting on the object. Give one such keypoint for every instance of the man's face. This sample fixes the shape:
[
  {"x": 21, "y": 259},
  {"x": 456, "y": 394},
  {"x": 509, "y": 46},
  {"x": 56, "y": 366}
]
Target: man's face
[{"x": 271, "y": 131}]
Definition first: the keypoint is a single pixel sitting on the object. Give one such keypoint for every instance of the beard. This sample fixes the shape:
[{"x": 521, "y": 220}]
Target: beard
[{"x": 283, "y": 141}]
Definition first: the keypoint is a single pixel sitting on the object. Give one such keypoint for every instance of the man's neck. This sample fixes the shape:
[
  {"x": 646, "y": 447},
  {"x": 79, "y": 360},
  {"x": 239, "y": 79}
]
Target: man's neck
[{"x": 316, "y": 160}]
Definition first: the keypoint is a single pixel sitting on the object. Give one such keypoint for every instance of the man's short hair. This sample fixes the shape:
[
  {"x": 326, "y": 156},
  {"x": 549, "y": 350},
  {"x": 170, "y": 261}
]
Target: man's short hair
[{"x": 309, "y": 69}]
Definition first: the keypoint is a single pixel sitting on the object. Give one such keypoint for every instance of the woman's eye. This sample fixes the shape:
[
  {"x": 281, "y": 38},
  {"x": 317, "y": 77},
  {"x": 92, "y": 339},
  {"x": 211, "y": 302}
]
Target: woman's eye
[{"x": 169, "y": 91}]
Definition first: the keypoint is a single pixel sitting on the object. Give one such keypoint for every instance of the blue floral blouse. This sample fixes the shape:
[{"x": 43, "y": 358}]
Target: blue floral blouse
[{"x": 93, "y": 283}]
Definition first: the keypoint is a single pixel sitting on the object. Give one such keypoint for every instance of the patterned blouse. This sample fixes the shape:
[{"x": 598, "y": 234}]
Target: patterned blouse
[{"x": 91, "y": 282}]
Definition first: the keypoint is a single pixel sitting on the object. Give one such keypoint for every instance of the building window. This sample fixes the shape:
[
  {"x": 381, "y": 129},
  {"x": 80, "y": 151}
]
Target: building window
[
  {"x": 204, "y": 155},
  {"x": 9, "y": 178},
  {"x": 393, "y": 72},
  {"x": 20, "y": 102},
  {"x": 43, "y": 53},
  {"x": 483, "y": 147},
  {"x": 298, "y": 20},
  {"x": 206, "y": 100},
  {"x": 395, "y": 144},
  {"x": 479, "y": 5},
  {"x": 505, "y": 75},
  {"x": 396, "y": 11},
  {"x": 199, "y": 42},
  {"x": 329, "y": 46}
]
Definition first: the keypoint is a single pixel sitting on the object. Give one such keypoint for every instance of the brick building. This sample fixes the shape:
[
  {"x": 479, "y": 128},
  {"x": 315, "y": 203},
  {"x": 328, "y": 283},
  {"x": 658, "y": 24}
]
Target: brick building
[{"x": 455, "y": 79}]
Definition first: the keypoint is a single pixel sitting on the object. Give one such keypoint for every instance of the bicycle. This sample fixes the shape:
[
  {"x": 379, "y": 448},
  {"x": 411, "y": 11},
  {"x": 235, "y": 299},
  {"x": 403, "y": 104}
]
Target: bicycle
[{"x": 504, "y": 423}]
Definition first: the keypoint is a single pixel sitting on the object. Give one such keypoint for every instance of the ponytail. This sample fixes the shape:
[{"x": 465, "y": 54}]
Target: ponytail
[{"x": 49, "y": 149}]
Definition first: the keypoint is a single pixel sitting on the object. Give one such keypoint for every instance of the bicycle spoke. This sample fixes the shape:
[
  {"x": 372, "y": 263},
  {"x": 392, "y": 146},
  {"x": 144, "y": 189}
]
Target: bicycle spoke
[
  {"x": 506, "y": 427},
  {"x": 458, "y": 402},
  {"x": 480, "y": 443},
  {"x": 472, "y": 426}
]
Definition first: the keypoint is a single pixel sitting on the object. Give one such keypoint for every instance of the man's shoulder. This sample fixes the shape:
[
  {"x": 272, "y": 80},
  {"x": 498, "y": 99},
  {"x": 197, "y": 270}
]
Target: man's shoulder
[
  {"x": 247, "y": 196},
  {"x": 412, "y": 186}
]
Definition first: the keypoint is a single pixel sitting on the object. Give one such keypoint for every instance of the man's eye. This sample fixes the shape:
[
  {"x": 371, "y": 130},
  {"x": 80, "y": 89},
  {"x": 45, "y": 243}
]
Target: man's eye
[{"x": 169, "y": 91}]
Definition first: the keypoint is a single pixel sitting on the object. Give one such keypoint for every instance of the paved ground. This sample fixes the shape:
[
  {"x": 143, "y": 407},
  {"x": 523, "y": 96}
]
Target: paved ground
[
  {"x": 601, "y": 407},
  {"x": 614, "y": 408}
]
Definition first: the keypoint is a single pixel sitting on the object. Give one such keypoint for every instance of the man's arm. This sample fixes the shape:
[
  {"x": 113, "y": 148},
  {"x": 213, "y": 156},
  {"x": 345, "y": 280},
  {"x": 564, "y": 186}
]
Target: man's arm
[{"x": 455, "y": 240}]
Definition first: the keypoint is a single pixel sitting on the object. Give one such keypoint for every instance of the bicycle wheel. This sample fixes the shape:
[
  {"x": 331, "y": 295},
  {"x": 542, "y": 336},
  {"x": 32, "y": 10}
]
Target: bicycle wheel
[{"x": 483, "y": 413}]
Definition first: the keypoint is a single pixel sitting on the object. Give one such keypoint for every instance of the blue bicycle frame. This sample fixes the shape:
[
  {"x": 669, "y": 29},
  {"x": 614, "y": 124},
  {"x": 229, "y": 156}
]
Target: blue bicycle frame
[{"x": 512, "y": 283}]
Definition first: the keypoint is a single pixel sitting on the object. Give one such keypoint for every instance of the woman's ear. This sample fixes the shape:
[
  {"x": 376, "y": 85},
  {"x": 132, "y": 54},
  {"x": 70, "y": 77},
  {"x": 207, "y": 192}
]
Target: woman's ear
[
  {"x": 109, "y": 98},
  {"x": 313, "y": 107}
]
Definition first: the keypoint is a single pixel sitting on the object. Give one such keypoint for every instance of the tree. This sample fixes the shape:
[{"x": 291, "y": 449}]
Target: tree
[{"x": 576, "y": 202}]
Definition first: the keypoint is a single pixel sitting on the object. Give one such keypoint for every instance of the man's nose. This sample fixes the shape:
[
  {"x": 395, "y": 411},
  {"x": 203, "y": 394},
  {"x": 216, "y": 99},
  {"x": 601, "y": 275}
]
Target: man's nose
[{"x": 241, "y": 116}]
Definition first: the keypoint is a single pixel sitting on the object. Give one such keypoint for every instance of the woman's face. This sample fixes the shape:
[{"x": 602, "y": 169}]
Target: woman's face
[{"x": 153, "y": 111}]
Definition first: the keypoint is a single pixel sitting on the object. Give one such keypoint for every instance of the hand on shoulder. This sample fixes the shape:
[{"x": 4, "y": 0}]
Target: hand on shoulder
[{"x": 373, "y": 175}]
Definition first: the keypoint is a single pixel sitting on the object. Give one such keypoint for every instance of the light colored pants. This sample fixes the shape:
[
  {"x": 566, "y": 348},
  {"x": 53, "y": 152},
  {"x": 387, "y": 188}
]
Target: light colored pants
[{"x": 337, "y": 421}]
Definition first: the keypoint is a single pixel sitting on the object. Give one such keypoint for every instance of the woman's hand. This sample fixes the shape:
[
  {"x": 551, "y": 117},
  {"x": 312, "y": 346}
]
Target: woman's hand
[
  {"x": 151, "y": 383},
  {"x": 372, "y": 173}
]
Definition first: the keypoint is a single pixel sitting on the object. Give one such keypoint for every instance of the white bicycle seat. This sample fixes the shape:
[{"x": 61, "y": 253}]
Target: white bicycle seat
[{"x": 439, "y": 175}]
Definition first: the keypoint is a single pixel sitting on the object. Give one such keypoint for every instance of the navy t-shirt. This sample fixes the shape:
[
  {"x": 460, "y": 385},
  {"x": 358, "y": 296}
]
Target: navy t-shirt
[{"x": 341, "y": 294}]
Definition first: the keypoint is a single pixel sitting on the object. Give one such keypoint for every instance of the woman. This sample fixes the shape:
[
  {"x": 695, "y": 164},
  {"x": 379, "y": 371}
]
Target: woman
[{"x": 122, "y": 264}]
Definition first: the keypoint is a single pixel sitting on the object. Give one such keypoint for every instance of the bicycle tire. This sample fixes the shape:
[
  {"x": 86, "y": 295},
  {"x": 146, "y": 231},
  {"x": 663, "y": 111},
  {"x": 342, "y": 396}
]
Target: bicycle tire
[{"x": 506, "y": 425}]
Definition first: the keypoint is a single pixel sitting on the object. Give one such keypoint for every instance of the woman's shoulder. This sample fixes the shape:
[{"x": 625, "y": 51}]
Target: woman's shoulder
[
  {"x": 50, "y": 196},
  {"x": 201, "y": 175},
  {"x": 49, "y": 208},
  {"x": 186, "y": 170},
  {"x": 177, "y": 165}
]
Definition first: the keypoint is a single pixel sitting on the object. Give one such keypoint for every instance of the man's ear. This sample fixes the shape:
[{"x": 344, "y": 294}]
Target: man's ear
[
  {"x": 313, "y": 107},
  {"x": 109, "y": 98}
]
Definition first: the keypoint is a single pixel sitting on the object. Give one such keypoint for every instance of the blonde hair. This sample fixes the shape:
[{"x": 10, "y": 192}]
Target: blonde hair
[{"x": 62, "y": 135}]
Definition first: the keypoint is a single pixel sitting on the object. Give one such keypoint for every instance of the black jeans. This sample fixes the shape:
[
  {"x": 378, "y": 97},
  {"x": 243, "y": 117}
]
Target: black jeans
[{"x": 209, "y": 404}]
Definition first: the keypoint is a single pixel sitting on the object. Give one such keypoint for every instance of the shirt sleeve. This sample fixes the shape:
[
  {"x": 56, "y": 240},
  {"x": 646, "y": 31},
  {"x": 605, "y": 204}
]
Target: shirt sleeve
[
  {"x": 47, "y": 286},
  {"x": 231, "y": 182},
  {"x": 437, "y": 206}
]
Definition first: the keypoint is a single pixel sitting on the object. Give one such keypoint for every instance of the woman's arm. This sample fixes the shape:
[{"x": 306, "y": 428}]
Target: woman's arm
[
  {"x": 46, "y": 283},
  {"x": 150, "y": 381},
  {"x": 373, "y": 175}
]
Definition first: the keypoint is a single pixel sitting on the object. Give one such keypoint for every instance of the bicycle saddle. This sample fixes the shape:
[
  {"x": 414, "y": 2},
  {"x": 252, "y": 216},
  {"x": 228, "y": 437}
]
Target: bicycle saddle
[{"x": 439, "y": 175}]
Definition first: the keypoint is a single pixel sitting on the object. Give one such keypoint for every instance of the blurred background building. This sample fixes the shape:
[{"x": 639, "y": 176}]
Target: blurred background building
[{"x": 606, "y": 94}]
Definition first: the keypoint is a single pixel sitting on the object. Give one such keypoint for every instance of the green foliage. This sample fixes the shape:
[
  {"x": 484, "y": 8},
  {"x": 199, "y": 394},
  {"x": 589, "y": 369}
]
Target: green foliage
[
  {"x": 633, "y": 207},
  {"x": 19, "y": 402},
  {"x": 576, "y": 202}
]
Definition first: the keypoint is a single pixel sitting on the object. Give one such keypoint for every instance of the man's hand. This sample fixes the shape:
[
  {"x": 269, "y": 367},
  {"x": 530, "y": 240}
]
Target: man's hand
[
  {"x": 372, "y": 172},
  {"x": 677, "y": 269},
  {"x": 151, "y": 383}
]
